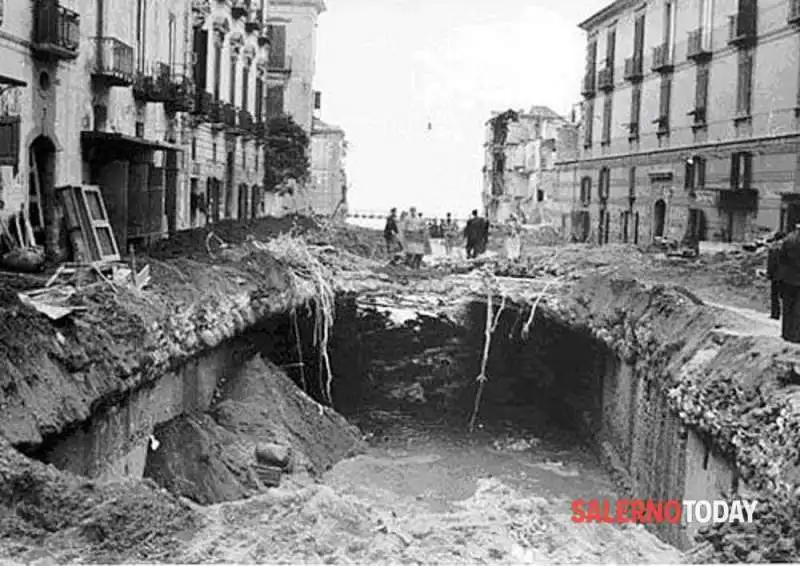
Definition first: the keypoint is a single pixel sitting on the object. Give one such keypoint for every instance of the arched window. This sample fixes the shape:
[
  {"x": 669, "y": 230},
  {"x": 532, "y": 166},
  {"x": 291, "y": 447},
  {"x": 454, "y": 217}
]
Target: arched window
[
  {"x": 604, "y": 183},
  {"x": 586, "y": 191}
]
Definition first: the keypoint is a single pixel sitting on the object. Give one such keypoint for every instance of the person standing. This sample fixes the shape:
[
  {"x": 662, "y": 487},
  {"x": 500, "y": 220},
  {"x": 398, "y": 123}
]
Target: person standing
[
  {"x": 483, "y": 236},
  {"x": 772, "y": 274},
  {"x": 788, "y": 274},
  {"x": 472, "y": 232},
  {"x": 513, "y": 243},
  {"x": 415, "y": 237},
  {"x": 390, "y": 232}
]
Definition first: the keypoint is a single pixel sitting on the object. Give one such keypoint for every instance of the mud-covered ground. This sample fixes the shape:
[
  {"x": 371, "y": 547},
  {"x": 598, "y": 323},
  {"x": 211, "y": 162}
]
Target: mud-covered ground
[{"x": 44, "y": 513}]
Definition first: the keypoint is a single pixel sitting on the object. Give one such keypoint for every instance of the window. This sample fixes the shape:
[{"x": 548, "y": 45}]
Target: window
[
  {"x": 194, "y": 149},
  {"x": 591, "y": 60},
  {"x": 638, "y": 37},
  {"x": 245, "y": 86},
  {"x": 200, "y": 58},
  {"x": 741, "y": 170},
  {"x": 670, "y": 12},
  {"x": 604, "y": 183},
  {"x": 277, "y": 46},
  {"x": 214, "y": 151},
  {"x": 586, "y": 191},
  {"x": 232, "y": 80},
  {"x": 607, "y": 106},
  {"x": 664, "y": 106},
  {"x": 695, "y": 173},
  {"x": 611, "y": 44},
  {"x": 9, "y": 140},
  {"x": 701, "y": 95},
  {"x": 259, "y": 109},
  {"x": 588, "y": 123},
  {"x": 744, "y": 83},
  {"x": 636, "y": 110},
  {"x": 706, "y": 15}
]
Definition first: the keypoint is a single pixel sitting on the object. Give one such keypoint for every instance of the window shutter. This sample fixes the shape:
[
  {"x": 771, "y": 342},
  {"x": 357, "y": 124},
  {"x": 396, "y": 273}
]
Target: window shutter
[
  {"x": 638, "y": 37},
  {"x": 217, "y": 70},
  {"x": 748, "y": 80},
  {"x": 611, "y": 40},
  {"x": 700, "y": 177},
  {"x": 636, "y": 104},
  {"x": 632, "y": 182},
  {"x": 735, "y": 158},
  {"x": 607, "y": 119},
  {"x": 588, "y": 124},
  {"x": 688, "y": 176},
  {"x": 274, "y": 101},
  {"x": 232, "y": 81},
  {"x": 245, "y": 87},
  {"x": 701, "y": 92},
  {"x": 259, "y": 109},
  {"x": 9, "y": 140},
  {"x": 666, "y": 83}
]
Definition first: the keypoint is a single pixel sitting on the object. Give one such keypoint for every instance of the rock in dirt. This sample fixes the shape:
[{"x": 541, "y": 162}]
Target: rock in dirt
[{"x": 273, "y": 454}]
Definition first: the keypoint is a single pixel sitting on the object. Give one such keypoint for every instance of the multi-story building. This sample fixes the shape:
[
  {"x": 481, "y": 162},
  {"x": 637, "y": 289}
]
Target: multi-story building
[
  {"x": 691, "y": 122},
  {"x": 95, "y": 95},
  {"x": 227, "y": 129},
  {"x": 520, "y": 154},
  {"x": 292, "y": 32},
  {"x": 327, "y": 192}
]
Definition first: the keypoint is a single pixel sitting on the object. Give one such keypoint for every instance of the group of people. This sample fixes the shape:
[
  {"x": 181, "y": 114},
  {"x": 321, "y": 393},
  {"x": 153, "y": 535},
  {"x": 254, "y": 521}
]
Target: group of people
[
  {"x": 410, "y": 234},
  {"x": 783, "y": 271}
]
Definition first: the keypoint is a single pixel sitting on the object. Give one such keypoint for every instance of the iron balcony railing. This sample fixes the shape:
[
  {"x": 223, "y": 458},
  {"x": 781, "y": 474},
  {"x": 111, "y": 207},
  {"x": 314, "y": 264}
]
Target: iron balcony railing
[
  {"x": 56, "y": 30},
  {"x": 113, "y": 61},
  {"x": 276, "y": 64},
  {"x": 605, "y": 78},
  {"x": 255, "y": 21},
  {"x": 741, "y": 29},
  {"x": 697, "y": 44},
  {"x": 633, "y": 68},
  {"x": 589, "y": 84},
  {"x": 662, "y": 58}
]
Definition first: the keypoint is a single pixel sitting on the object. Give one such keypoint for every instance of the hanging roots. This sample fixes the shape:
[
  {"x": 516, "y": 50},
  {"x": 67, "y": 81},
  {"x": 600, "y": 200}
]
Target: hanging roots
[
  {"x": 492, "y": 320},
  {"x": 306, "y": 270},
  {"x": 526, "y": 329}
]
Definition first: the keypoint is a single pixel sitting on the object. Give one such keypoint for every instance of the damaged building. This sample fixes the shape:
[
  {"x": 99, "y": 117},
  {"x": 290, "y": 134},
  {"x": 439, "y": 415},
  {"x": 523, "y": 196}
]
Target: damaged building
[
  {"x": 521, "y": 150},
  {"x": 690, "y": 127}
]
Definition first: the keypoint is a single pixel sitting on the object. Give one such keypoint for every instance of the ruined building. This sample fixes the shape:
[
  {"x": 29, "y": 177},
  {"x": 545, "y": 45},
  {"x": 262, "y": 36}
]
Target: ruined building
[
  {"x": 690, "y": 121},
  {"x": 520, "y": 154}
]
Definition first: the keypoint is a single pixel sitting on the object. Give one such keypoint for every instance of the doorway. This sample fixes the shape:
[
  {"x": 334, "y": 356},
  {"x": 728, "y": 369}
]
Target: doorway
[
  {"x": 243, "y": 202},
  {"x": 737, "y": 226},
  {"x": 659, "y": 218},
  {"x": 42, "y": 194},
  {"x": 255, "y": 202}
]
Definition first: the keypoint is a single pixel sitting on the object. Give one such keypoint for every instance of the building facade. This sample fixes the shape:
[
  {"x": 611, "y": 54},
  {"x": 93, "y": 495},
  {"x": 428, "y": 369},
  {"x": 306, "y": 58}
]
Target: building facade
[
  {"x": 520, "y": 152},
  {"x": 327, "y": 190},
  {"x": 691, "y": 121},
  {"x": 225, "y": 133},
  {"x": 95, "y": 94}
]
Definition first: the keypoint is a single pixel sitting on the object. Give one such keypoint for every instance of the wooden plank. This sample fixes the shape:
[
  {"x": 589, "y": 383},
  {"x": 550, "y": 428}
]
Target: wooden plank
[{"x": 74, "y": 226}]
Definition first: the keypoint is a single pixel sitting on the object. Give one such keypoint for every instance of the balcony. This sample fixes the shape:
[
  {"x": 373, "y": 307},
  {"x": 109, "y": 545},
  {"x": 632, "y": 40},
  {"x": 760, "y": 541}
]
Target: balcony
[
  {"x": 699, "y": 118},
  {"x": 588, "y": 88},
  {"x": 605, "y": 78},
  {"x": 113, "y": 62},
  {"x": 279, "y": 65},
  {"x": 56, "y": 31},
  {"x": 215, "y": 112},
  {"x": 255, "y": 21},
  {"x": 697, "y": 50},
  {"x": 662, "y": 125},
  {"x": 741, "y": 30},
  {"x": 202, "y": 103},
  {"x": 180, "y": 96},
  {"x": 662, "y": 59},
  {"x": 633, "y": 68},
  {"x": 229, "y": 116},
  {"x": 245, "y": 120},
  {"x": 155, "y": 85},
  {"x": 239, "y": 9},
  {"x": 794, "y": 12}
]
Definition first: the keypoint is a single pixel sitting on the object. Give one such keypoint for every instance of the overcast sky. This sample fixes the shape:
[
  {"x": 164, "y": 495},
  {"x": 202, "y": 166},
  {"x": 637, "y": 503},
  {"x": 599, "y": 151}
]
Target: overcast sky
[{"x": 388, "y": 67}]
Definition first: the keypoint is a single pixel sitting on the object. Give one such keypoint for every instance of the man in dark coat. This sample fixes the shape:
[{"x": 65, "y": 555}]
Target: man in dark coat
[
  {"x": 390, "y": 232},
  {"x": 772, "y": 274},
  {"x": 472, "y": 232},
  {"x": 483, "y": 241},
  {"x": 788, "y": 263}
]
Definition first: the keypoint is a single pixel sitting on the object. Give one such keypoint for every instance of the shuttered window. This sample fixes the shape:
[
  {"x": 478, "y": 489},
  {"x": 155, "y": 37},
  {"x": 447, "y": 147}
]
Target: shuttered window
[
  {"x": 9, "y": 140},
  {"x": 200, "y": 58},
  {"x": 636, "y": 109},
  {"x": 604, "y": 183},
  {"x": 607, "y": 107},
  {"x": 588, "y": 123},
  {"x": 232, "y": 81},
  {"x": 611, "y": 45},
  {"x": 591, "y": 59},
  {"x": 586, "y": 191},
  {"x": 632, "y": 183},
  {"x": 217, "y": 69},
  {"x": 701, "y": 94},
  {"x": 695, "y": 174},
  {"x": 259, "y": 109},
  {"x": 664, "y": 104},
  {"x": 277, "y": 46},
  {"x": 638, "y": 38},
  {"x": 741, "y": 170},
  {"x": 744, "y": 83}
]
